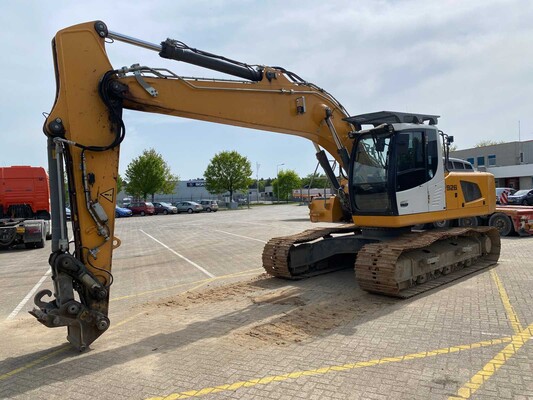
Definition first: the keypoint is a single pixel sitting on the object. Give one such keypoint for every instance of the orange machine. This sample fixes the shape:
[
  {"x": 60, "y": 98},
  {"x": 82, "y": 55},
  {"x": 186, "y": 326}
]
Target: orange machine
[{"x": 394, "y": 172}]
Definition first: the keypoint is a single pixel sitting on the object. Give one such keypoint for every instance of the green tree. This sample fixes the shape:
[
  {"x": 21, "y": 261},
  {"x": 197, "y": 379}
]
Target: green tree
[
  {"x": 484, "y": 143},
  {"x": 149, "y": 174},
  {"x": 228, "y": 171},
  {"x": 120, "y": 184},
  {"x": 261, "y": 185},
  {"x": 284, "y": 184},
  {"x": 253, "y": 185},
  {"x": 316, "y": 181}
]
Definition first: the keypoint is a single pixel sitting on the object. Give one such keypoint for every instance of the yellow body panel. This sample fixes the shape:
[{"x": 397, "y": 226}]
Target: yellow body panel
[
  {"x": 81, "y": 61},
  {"x": 265, "y": 105},
  {"x": 325, "y": 209},
  {"x": 455, "y": 197},
  {"x": 456, "y": 204}
]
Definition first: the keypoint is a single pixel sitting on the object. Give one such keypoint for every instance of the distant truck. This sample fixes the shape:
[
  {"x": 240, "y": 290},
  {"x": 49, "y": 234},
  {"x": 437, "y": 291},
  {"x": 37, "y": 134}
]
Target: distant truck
[
  {"x": 509, "y": 219},
  {"x": 24, "y": 207}
]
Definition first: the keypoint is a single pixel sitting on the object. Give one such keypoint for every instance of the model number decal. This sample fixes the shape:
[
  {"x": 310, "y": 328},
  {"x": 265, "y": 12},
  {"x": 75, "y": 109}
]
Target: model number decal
[{"x": 451, "y": 187}]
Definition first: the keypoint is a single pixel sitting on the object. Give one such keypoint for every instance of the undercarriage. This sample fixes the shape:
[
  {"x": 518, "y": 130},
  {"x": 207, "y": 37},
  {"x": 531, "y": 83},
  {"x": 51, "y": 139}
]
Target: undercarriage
[{"x": 399, "y": 263}]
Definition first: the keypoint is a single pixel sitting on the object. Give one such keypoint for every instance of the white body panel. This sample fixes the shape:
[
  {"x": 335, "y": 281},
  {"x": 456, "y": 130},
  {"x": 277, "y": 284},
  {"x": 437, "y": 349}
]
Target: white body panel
[
  {"x": 431, "y": 196},
  {"x": 413, "y": 201}
]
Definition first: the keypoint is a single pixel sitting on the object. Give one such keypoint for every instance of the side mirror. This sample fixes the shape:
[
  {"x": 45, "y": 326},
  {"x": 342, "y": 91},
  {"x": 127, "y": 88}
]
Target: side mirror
[{"x": 380, "y": 144}]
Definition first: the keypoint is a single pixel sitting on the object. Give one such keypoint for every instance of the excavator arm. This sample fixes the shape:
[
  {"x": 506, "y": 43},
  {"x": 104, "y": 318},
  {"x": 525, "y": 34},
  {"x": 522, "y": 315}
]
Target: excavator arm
[{"x": 85, "y": 129}]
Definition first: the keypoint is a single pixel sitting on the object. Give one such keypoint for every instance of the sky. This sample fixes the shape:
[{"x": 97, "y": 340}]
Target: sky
[{"x": 470, "y": 62}]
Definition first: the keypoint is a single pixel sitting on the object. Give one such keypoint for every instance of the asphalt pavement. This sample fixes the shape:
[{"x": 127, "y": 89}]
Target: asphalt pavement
[{"x": 193, "y": 315}]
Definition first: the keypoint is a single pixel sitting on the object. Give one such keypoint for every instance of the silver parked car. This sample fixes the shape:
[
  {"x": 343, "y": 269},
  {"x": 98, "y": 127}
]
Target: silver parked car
[
  {"x": 189, "y": 207},
  {"x": 209, "y": 205}
]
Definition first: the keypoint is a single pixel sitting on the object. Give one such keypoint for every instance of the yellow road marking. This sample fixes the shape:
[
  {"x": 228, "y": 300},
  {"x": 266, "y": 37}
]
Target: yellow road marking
[
  {"x": 34, "y": 362},
  {"x": 484, "y": 374},
  {"x": 124, "y": 321},
  {"x": 68, "y": 346},
  {"x": 242, "y": 273},
  {"x": 325, "y": 370},
  {"x": 157, "y": 290},
  {"x": 517, "y": 341},
  {"x": 511, "y": 314}
]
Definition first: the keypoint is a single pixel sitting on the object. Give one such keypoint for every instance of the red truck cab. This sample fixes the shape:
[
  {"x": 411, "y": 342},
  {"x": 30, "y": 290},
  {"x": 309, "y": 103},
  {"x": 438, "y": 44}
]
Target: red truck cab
[
  {"x": 24, "y": 188},
  {"x": 24, "y": 207}
]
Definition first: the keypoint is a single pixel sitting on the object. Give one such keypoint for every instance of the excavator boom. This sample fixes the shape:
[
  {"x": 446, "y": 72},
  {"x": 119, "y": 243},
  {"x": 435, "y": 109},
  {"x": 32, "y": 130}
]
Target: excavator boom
[{"x": 85, "y": 128}]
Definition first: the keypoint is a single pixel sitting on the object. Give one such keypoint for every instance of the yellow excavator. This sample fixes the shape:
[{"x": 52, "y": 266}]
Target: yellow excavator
[{"x": 393, "y": 175}]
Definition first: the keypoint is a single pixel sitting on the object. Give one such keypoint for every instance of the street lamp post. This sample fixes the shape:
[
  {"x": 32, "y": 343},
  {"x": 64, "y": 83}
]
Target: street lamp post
[
  {"x": 257, "y": 180},
  {"x": 277, "y": 177}
]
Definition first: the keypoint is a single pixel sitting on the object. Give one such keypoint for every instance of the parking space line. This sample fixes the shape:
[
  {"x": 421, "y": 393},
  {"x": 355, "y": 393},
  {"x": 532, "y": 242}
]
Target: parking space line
[
  {"x": 124, "y": 321},
  {"x": 489, "y": 369},
  {"x": 31, "y": 293},
  {"x": 35, "y": 362},
  {"x": 511, "y": 314},
  {"x": 242, "y": 273},
  {"x": 241, "y": 236},
  {"x": 129, "y": 296},
  {"x": 326, "y": 370},
  {"x": 517, "y": 341},
  {"x": 28, "y": 296},
  {"x": 209, "y": 274},
  {"x": 62, "y": 349}
]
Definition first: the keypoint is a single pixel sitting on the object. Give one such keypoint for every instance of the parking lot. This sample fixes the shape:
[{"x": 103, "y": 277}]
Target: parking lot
[{"x": 193, "y": 315}]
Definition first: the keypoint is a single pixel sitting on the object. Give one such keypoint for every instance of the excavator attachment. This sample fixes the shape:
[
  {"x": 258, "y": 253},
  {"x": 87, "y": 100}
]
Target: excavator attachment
[{"x": 86, "y": 319}]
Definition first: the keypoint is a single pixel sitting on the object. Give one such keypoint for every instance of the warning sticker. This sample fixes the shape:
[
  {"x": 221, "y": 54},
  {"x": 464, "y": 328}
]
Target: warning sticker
[{"x": 109, "y": 195}]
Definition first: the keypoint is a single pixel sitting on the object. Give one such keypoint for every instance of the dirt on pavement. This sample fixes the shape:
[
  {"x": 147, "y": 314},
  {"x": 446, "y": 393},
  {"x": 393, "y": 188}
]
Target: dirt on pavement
[{"x": 291, "y": 314}]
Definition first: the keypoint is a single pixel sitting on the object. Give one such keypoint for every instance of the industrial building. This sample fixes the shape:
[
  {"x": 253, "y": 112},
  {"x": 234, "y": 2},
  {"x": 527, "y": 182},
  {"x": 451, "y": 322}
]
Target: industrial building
[{"x": 510, "y": 163}]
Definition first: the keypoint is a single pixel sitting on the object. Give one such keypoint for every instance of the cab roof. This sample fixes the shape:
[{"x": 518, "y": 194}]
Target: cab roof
[{"x": 391, "y": 117}]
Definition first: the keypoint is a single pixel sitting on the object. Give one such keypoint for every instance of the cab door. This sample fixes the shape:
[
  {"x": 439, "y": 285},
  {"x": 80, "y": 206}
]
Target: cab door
[
  {"x": 411, "y": 175},
  {"x": 419, "y": 172},
  {"x": 435, "y": 166}
]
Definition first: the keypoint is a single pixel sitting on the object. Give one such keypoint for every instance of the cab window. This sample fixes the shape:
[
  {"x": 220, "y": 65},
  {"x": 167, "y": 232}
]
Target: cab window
[
  {"x": 458, "y": 165},
  {"x": 417, "y": 158}
]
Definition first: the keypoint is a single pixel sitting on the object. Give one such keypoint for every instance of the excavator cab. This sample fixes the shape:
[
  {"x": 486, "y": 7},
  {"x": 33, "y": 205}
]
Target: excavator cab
[
  {"x": 393, "y": 169},
  {"x": 396, "y": 165},
  {"x": 397, "y": 176}
]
